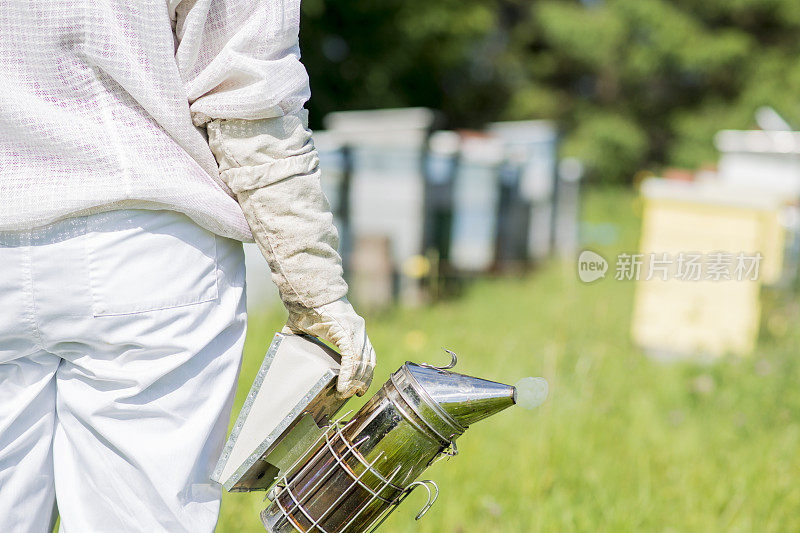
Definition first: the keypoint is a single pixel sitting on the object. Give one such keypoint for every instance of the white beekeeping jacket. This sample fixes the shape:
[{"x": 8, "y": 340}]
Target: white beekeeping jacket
[{"x": 102, "y": 102}]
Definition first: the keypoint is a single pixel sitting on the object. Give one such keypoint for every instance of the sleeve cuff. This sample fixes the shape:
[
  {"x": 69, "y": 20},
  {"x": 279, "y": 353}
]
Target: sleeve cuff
[
  {"x": 255, "y": 153},
  {"x": 243, "y": 179}
]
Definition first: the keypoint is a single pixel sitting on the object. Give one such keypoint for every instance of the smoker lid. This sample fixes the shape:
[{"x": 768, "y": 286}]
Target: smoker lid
[{"x": 449, "y": 402}]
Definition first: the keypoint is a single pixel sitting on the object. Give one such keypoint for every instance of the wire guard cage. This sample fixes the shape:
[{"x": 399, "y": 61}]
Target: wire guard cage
[{"x": 337, "y": 490}]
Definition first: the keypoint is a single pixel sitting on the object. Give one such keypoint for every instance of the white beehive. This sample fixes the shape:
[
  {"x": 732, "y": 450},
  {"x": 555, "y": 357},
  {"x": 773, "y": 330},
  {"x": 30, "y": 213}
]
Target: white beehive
[
  {"x": 537, "y": 141},
  {"x": 763, "y": 160},
  {"x": 387, "y": 188},
  {"x": 475, "y": 204}
]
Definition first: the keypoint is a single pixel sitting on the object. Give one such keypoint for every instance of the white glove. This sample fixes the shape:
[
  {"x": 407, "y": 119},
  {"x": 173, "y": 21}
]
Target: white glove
[
  {"x": 272, "y": 167},
  {"x": 338, "y": 324}
]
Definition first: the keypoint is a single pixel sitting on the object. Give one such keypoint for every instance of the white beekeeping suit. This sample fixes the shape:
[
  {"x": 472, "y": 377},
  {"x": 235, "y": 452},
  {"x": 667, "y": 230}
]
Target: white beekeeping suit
[
  {"x": 139, "y": 142},
  {"x": 240, "y": 63}
]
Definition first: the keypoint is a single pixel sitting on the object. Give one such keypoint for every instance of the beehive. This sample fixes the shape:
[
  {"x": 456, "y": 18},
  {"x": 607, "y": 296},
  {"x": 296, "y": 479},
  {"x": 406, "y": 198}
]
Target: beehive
[{"x": 708, "y": 317}]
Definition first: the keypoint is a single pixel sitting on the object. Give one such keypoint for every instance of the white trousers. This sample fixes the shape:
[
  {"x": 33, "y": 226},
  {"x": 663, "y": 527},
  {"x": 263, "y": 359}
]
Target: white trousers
[{"x": 121, "y": 339}]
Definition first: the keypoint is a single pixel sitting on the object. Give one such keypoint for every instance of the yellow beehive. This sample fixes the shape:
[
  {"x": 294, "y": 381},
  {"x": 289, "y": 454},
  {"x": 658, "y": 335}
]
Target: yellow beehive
[{"x": 709, "y": 316}]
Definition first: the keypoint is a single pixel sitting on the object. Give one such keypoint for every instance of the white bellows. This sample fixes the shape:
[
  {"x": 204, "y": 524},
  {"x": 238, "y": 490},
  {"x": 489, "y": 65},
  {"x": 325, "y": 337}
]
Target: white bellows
[{"x": 531, "y": 392}]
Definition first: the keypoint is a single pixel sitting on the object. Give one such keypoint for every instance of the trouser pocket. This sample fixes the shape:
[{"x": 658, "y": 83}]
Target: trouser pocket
[{"x": 142, "y": 261}]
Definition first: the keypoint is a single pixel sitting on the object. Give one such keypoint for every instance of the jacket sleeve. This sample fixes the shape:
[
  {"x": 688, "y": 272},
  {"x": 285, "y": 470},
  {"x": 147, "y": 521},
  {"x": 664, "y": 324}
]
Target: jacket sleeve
[
  {"x": 240, "y": 62},
  {"x": 272, "y": 167},
  {"x": 239, "y": 59}
]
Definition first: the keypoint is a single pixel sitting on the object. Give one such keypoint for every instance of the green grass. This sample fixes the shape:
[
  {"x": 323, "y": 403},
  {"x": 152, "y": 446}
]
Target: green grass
[{"x": 623, "y": 443}]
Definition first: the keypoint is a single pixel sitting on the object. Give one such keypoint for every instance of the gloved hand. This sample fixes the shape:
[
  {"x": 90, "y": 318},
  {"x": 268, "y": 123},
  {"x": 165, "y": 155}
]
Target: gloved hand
[
  {"x": 338, "y": 324},
  {"x": 272, "y": 168}
]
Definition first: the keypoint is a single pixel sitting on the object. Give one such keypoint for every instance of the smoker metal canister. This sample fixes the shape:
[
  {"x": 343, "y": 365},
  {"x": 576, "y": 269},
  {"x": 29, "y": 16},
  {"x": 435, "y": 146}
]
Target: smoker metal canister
[{"x": 361, "y": 470}]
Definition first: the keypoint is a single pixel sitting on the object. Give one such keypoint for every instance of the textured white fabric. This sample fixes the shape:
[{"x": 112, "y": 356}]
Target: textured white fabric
[
  {"x": 256, "y": 153},
  {"x": 118, "y": 365},
  {"x": 272, "y": 166},
  {"x": 99, "y": 100}
]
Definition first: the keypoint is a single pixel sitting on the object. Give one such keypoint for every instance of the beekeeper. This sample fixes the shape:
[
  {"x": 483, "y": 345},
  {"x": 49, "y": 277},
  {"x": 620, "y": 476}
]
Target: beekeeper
[{"x": 140, "y": 142}]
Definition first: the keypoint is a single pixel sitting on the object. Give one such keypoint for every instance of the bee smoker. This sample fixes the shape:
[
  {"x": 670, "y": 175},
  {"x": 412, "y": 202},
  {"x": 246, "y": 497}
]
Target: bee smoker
[{"x": 337, "y": 476}]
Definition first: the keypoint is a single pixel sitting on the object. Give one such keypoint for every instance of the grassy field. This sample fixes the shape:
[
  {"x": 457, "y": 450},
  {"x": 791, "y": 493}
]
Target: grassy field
[{"x": 623, "y": 443}]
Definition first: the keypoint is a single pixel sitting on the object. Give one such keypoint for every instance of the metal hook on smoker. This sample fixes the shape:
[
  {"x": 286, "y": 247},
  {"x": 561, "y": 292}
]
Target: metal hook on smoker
[
  {"x": 453, "y": 361},
  {"x": 450, "y": 451},
  {"x": 426, "y": 483},
  {"x": 408, "y": 490}
]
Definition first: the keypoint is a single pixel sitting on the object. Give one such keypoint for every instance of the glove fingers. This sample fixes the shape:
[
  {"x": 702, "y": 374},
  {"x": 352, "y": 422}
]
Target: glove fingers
[
  {"x": 350, "y": 352},
  {"x": 362, "y": 377},
  {"x": 364, "y": 367},
  {"x": 358, "y": 384},
  {"x": 338, "y": 324}
]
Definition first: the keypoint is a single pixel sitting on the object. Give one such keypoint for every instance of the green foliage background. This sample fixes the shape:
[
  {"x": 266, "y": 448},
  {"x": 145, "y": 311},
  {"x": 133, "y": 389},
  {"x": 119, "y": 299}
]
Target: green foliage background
[{"x": 633, "y": 83}]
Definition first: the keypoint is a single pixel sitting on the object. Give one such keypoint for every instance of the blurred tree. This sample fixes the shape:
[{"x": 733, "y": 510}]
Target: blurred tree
[
  {"x": 363, "y": 54},
  {"x": 632, "y": 82}
]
